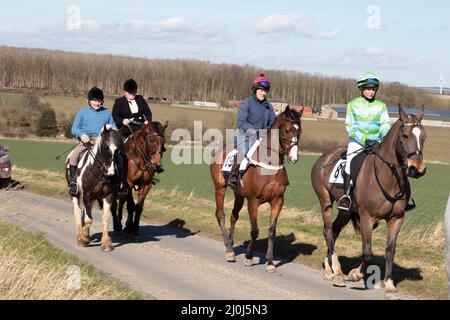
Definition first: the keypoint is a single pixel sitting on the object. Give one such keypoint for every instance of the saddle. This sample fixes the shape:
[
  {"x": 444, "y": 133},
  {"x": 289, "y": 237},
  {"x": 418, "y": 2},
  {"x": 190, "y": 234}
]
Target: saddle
[
  {"x": 232, "y": 156},
  {"x": 338, "y": 172}
]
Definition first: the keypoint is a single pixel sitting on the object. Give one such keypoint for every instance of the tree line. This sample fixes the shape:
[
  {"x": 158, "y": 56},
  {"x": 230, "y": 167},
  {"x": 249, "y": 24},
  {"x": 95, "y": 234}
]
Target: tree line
[{"x": 181, "y": 79}]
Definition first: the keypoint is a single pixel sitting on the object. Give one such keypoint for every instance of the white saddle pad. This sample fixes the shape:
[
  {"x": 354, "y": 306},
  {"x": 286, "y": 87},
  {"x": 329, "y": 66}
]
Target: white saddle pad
[
  {"x": 336, "y": 173},
  {"x": 229, "y": 160}
]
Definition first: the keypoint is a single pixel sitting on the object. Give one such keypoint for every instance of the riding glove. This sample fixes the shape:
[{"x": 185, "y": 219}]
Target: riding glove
[
  {"x": 126, "y": 121},
  {"x": 372, "y": 143},
  {"x": 85, "y": 138}
]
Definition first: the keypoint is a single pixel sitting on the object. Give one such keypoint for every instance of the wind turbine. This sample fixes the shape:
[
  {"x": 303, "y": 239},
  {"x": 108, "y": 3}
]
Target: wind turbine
[{"x": 442, "y": 83}]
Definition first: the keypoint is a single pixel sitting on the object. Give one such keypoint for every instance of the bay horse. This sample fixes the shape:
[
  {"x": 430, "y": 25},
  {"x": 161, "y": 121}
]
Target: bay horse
[
  {"x": 143, "y": 152},
  {"x": 381, "y": 191},
  {"x": 96, "y": 178},
  {"x": 258, "y": 186}
]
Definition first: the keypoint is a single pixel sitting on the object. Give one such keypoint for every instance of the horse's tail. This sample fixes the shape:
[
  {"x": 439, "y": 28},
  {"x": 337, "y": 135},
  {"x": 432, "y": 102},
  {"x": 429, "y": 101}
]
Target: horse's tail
[{"x": 355, "y": 221}]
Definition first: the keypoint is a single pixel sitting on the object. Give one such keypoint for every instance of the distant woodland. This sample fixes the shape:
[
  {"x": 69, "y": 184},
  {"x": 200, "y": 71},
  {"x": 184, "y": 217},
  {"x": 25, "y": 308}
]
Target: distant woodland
[{"x": 73, "y": 73}]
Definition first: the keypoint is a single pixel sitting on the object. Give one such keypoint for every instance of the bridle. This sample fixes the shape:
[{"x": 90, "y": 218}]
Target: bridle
[
  {"x": 393, "y": 166},
  {"x": 286, "y": 151},
  {"x": 147, "y": 161},
  {"x": 418, "y": 151}
]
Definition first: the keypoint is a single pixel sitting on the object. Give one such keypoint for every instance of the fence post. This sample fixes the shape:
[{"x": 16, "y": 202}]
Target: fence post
[{"x": 447, "y": 243}]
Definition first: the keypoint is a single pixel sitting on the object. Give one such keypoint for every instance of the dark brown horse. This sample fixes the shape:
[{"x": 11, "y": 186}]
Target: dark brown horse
[
  {"x": 143, "y": 152},
  {"x": 381, "y": 191},
  {"x": 262, "y": 183}
]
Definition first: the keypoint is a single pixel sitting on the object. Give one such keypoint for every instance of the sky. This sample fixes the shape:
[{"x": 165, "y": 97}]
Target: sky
[{"x": 405, "y": 41}]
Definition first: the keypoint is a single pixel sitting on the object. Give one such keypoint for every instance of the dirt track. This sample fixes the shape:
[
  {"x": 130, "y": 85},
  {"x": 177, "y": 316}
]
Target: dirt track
[{"x": 170, "y": 263}]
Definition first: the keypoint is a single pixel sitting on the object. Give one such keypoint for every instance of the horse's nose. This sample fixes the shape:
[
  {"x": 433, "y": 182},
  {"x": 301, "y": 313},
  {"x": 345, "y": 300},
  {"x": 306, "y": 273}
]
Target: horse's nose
[
  {"x": 292, "y": 159},
  {"x": 110, "y": 171},
  {"x": 413, "y": 172}
]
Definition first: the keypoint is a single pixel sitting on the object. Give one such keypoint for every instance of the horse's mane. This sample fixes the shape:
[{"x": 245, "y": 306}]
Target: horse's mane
[
  {"x": 113, "y": 137},
  {"x": 151, "y": 127},
  {"x": 287, "y": 114}
]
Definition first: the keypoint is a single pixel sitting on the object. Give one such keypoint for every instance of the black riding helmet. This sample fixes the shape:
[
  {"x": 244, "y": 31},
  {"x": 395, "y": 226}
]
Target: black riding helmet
[
  {"x": 130, "y": 86},
  {"x": 95, "y": 94}
]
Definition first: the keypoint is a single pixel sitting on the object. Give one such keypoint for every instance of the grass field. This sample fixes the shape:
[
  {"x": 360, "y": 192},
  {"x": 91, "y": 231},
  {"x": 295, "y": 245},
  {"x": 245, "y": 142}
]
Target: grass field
[
  {"x": 33, "y": 269},
  {"x": 317, "y": 136}
]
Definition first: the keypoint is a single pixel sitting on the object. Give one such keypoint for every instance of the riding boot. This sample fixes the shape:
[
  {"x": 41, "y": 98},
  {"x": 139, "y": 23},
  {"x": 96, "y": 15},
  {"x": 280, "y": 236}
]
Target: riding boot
[
  {"x": 233, "y": 179},
  {"x": 73, "y": 188},
  {"x": 159, "y": 169},
  {"x": 120, "y": 187},
  {"x": 345, "y": 202}
]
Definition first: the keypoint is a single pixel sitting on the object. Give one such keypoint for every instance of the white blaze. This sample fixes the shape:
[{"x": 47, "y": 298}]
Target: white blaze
[
  {"x": 111, "y": 167},
  {"x": 416, "y": 131},
  {"x": 293, "y": 154}
]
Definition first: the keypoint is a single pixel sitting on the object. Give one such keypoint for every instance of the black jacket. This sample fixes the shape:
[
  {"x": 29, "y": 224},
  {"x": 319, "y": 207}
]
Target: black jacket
[{"x": 121, "y": 110}]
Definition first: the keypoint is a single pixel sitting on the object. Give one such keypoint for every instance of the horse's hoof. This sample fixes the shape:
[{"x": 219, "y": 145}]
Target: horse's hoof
[
  {"x": 248, "y": 262},
  {"x": 82, "y": 243},
  {"x": 355, "y": 275},
  {"x": 392, "y": 295},
  {"x": 339, "y": 281},
  {"x": 271, "y": 268},
  {"x": 328, "y": 276},
  {"x": 230, "y": 257},
  {"x": 107, "y": 248}
]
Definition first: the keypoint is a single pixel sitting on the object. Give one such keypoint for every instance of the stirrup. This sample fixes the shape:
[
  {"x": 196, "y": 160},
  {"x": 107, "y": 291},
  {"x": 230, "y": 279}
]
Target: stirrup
[{"x": 341, "y": 207}]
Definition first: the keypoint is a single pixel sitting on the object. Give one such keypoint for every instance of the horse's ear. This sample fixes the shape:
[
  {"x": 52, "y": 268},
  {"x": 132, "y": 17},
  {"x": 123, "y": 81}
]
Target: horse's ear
[
  {"x": 402, "y": 113},
  {"x": 165, "y": 125},
  {"x": 421, "y": 112},
  {"x": 300, "y": 112}
]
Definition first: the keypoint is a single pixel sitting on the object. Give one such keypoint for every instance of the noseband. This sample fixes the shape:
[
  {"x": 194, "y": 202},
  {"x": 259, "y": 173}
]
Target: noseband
[
  {"x": 417, "y": 152},
  {"x": 292, "y": 143}
]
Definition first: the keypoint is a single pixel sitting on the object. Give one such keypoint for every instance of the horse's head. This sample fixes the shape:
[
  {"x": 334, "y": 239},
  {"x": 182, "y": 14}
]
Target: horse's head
[
  {"x": 106, "y": 146},
  {"x": 155, "y": 141},
  {"x": 411, "y": 142},
  {"x": 290, "y": 130}
]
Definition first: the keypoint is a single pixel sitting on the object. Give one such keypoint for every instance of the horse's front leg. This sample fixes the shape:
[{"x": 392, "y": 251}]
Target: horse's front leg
[
  {"x": 87, "y": 221},
  {"x": 394, "y": 226},
  {"x": 275, "y": 208},
  {"x": 366, "y": 228},
  {"x": 238, "y": 203},
  {"x": 79, "y": 221},
  {"x": 106, "y": 240},
  {"x": 140, "y": 207},
  {"x": 253, "y": 205},
  {"x": 117, "y": 224}
]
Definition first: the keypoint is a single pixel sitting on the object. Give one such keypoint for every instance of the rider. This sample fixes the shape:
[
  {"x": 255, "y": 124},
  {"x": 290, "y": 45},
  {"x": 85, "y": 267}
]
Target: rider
[
  {"x": 367, "y": 123},
  {"x": 131, "y": 111},
  {"x": 87, "y": 125},
  {"x": 255, "y": 113}
]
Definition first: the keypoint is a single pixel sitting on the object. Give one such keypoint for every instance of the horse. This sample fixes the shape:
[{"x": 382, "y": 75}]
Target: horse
[
  {"x": 381, "y": 192},
  {"x": 143, "y": 152},
  {"x": 95, "y": 178},
  {"x": 258, "y": 186}
]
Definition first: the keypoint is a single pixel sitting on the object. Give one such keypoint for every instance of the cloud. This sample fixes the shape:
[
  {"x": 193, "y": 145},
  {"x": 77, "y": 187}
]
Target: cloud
[
  {"x": 371, "y": 57},
  {"x": 173, "y": 30},
  {"x": 292, "y": 24}
]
